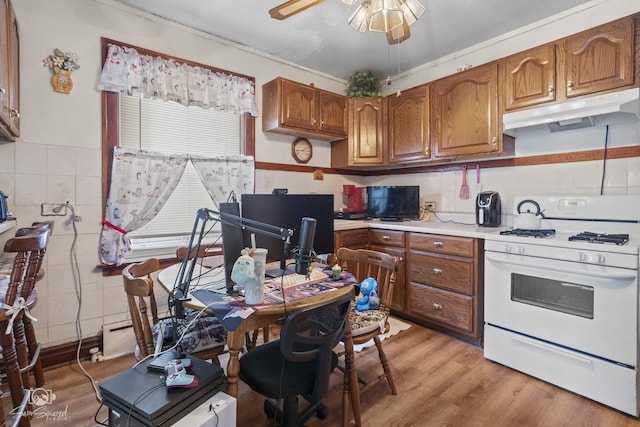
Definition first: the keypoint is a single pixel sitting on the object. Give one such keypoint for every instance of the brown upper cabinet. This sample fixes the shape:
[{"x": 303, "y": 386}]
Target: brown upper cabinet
[
  {"x": 293, "y": 108},
  {"x": 9, "y": 73},
  {"x": 408, "y": 125},
  {"x": 465, "y": 119},
  {"x": 596, "y": 60},
  {"x": 366, "y": 142}
]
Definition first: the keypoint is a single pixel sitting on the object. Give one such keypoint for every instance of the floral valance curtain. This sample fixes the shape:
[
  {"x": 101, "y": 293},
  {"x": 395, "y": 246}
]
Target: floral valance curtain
[
  {"x": 127, "y": 71},
  {"x": 141, "y": 183}
]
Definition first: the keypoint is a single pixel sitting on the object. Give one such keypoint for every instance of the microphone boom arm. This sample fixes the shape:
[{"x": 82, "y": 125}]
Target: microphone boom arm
[{"x": 203, "y": 216}]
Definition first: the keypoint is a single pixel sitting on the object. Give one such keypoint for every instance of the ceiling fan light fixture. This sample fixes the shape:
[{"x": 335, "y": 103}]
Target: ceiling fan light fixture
[
  {"x": 399, "y": 34},
  {"x": 292, "y": 7},
  {"x": 349, "y": 2},
  {"x": 385, "y": 15},
  {"x": 412, "y": 10},
  {"x": 359, "y": 19}
]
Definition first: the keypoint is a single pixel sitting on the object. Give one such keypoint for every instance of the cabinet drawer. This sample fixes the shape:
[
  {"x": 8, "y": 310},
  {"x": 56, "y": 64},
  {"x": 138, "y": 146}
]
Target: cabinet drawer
[
  {"x": 453, "y": 273},
  {"x": 441, "y": 306},
  {"x": 358, "y": 238},
  {"x": 386, "y": 238},
  {"x": 462, "y": 246}
]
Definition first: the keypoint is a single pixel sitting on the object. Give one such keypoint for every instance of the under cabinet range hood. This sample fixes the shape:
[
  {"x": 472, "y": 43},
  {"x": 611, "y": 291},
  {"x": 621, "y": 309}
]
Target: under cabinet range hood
[{"x": 586, "y": 111}]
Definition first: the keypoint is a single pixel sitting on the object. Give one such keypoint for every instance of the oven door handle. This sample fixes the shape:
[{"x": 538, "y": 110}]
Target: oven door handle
[{"x": 603, "y": 275}]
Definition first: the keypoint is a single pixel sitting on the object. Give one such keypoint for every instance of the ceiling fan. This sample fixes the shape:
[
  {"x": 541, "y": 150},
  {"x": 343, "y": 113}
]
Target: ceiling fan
[{"x": 392, "y": 17}]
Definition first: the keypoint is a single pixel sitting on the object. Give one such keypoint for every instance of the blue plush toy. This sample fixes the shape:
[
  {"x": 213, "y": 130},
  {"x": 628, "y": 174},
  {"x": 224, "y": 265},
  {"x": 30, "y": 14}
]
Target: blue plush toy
[{"x": 368, "y": 298}]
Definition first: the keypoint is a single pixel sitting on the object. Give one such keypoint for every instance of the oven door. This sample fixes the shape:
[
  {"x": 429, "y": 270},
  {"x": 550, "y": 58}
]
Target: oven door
[{"x": 580, "y": 306}]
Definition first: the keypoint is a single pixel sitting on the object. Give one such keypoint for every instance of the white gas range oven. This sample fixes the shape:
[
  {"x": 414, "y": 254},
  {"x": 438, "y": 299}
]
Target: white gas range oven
[{"x": 561, "y": 301}]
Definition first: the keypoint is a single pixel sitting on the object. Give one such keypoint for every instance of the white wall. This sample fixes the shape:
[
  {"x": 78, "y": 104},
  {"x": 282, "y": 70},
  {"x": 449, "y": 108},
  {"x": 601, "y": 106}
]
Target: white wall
[{"x": 58, "y": 157}]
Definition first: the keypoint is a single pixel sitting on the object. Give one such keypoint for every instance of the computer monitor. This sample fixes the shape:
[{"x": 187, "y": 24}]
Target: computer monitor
[
  {"x": 287, "y": 210},
  {"x": 232, "y": 240}
]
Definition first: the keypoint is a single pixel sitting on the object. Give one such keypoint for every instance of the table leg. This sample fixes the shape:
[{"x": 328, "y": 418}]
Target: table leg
[
  {"x": 235, "y": 339},
  {"x": 351, "y": 386}
]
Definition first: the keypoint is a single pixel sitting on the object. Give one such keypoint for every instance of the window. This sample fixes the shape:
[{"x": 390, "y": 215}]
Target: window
[
  {"x": 170, "y": 128},
  {"x": 135, "y": 122}
]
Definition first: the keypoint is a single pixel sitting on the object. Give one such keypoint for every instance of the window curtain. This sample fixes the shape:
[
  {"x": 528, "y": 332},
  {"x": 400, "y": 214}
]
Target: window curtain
[
  {"x": 141, "y": 183},
  {"x": 127, "y": 71},
  {"x": 223, "y": 176}
]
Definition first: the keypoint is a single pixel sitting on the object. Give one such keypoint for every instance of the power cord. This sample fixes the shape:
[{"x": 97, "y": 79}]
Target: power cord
[
  {"x": 78, "y": 288},
  {"x": 174, "y": 345}
]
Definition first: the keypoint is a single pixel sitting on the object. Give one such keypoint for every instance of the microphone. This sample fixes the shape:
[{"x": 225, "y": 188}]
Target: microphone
[{"x": 304, "y": 255}]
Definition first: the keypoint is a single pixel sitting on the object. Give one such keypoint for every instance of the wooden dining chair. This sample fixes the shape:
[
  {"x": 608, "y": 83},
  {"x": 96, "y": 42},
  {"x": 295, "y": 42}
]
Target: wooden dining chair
[
  {"x": 366, "y": 325},
  {"x": 205, "y": 338},
  {"x": 214, "y": 249},
  {"x": 28, "y": 251}
]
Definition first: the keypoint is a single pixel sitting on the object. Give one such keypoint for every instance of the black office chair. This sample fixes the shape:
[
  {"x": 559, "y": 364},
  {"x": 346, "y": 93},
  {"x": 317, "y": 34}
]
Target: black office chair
[{"x": 299, "y": 363}]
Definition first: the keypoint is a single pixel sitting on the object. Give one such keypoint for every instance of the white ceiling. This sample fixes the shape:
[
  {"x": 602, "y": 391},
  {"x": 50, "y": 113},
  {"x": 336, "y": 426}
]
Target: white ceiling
[{"x": 320, "y": 38}]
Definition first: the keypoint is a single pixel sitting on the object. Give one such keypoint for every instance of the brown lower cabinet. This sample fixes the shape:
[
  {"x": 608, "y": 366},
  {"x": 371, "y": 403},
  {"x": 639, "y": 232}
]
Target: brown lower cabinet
[
  {"x": 439, "y": 282},
  {"x": 444, "y": 287}
]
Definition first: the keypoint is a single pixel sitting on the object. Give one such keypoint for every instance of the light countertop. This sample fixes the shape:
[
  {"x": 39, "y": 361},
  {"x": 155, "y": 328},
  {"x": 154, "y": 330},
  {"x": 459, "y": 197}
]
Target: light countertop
[
  {"x": 435, "y": 227},
  {"x": 7, "y": 225}
]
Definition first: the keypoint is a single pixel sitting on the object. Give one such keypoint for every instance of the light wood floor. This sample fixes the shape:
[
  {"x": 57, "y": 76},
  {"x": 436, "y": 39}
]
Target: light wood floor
[{"x": 441, "y": 382}]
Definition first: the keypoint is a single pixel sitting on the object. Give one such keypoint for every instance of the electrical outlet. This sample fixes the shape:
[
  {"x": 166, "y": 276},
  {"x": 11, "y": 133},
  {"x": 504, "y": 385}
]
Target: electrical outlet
[
  {"x": 53, "y": 209},
  {"x": 430, "y": 206}
]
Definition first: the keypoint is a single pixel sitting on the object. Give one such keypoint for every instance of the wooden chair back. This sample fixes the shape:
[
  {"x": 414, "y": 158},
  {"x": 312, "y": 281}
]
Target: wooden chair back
[
  {"x": 138, "y": 285},
  {"x": 29, "y": 252},
  {"x": 363, "y": 263},
  {"x": 204, "y": 251}
]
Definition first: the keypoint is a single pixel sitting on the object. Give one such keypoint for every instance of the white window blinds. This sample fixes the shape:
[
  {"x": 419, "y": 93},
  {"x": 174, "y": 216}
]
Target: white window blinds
[{"x": 171, "y": 128}]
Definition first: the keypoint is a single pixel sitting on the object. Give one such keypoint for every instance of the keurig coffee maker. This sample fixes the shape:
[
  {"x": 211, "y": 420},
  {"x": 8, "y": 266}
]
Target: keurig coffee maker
[{"x": 488, "y": 209}]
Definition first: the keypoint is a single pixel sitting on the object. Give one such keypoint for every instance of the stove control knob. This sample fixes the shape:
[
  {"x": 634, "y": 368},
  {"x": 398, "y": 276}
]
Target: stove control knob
[
  {"x": 582, "y": 257},
  {"x": 507, "y": 248},
  {"x": 520, "y": 249}
]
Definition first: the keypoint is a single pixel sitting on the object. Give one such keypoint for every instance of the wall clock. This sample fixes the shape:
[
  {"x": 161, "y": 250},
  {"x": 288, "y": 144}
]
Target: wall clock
[{"x": 301, "y": 150}]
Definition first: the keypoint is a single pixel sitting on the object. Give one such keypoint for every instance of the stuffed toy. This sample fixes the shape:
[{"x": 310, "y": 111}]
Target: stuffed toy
[
  {"x": 244, "y": 269},
  {"x": 368, "y": 298}
]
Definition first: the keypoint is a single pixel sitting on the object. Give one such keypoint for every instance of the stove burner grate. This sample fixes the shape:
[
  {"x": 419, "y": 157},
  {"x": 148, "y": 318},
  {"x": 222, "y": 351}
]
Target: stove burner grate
[
  {"x": 529, "y": 233},
  {"x": 618, "y": 239}
]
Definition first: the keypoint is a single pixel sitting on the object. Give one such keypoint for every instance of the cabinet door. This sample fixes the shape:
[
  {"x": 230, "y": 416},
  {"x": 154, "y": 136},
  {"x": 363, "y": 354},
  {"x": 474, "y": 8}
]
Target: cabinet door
[
  {"x": 600, "y": 59},
  {"x": 332, "y": 113},
  {"x": 298, "y": 105},
  {"x": 366, "y": 137},
  {"x": 354, "y": 239},
  {"x": 4, "y": 64},
  {"x": 529, "y": 77},
  {"x": 409, "y": 126},
  {"x": 465, "y": 113},
  {"x": 14, "y": 74}
]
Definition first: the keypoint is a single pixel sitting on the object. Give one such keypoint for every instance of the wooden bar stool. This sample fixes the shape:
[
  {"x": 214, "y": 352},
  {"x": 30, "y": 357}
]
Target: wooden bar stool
[
  {"x": 32, "y": 362},
  {"x": 29, "y": 251}
]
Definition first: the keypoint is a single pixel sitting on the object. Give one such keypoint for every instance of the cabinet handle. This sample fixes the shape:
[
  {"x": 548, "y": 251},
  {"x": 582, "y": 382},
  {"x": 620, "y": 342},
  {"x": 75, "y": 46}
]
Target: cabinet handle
[
  {"x": 437, "y": 270},
  {"x": 437, "y": 306},
  {"x": 2, "y": 91},
  {"x": 494, "y": 140},
  {"x": 321, "y": 124},
  {"x": 385, "y": 237},
  {"x": 313, "y": 121},
  {"x": 438, "y": 244},
  {"x": 569, "y": 85},
  {"x": 550, "y": 90},
  {"x": 14, "y": 113}
]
